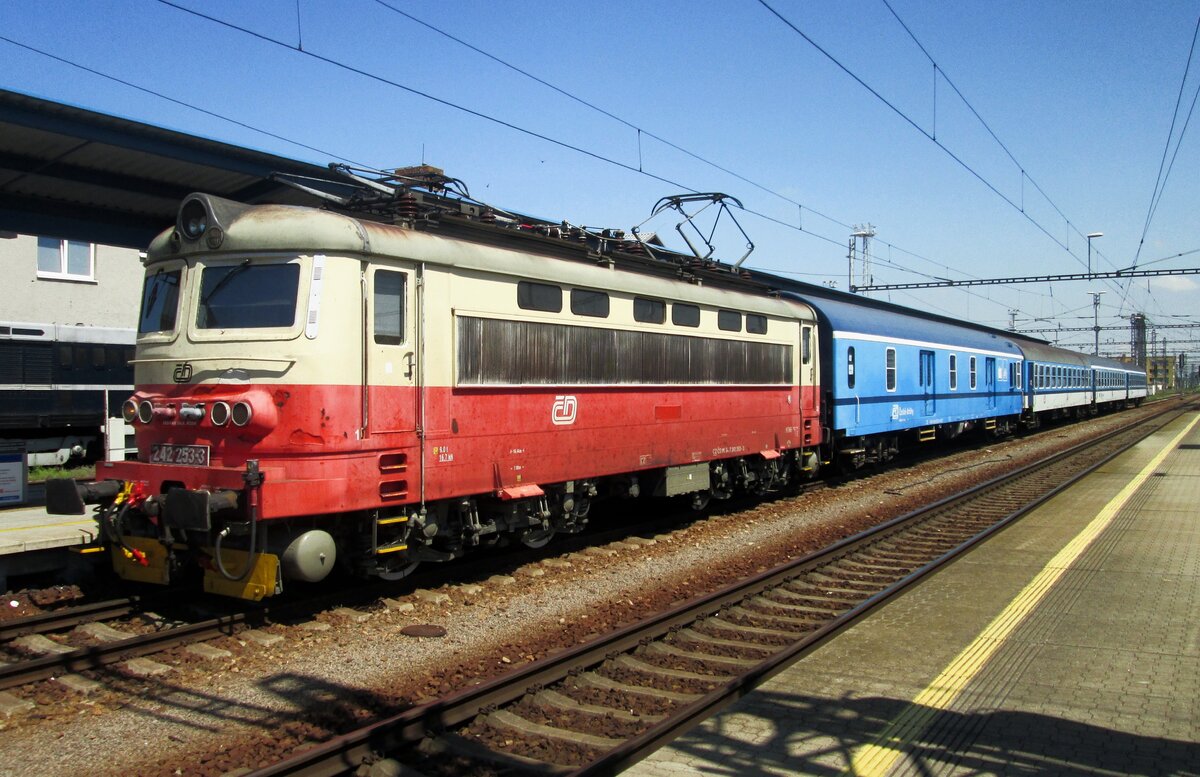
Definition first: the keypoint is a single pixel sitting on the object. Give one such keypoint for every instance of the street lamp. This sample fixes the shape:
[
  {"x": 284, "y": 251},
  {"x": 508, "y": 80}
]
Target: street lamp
[
  {"x": 1096, "y": 318},
  {"x": 1089, "y": 237}
]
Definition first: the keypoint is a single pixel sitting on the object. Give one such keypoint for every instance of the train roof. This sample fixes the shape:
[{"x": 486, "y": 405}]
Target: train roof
[
  {"x": 851, "y": 316},
  {"x": 1038, "y": 350},
  {"x": 457, "y": 216}
]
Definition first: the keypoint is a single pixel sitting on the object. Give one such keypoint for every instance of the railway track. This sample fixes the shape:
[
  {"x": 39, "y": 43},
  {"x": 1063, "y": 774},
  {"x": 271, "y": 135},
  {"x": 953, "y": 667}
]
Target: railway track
[
  {"x": 69, "y": 617},
  {"x": 600, "y": 707},
  {"x": 57, "y": 659}
]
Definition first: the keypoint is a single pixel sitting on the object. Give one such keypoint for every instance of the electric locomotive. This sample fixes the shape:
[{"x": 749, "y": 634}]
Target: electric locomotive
[{"x": 377, "y": 386}]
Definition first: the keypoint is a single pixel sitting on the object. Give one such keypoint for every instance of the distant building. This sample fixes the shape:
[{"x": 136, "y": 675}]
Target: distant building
[
  {"x": 68, "y": 310},
  {"x": 1161, "y": 372}
]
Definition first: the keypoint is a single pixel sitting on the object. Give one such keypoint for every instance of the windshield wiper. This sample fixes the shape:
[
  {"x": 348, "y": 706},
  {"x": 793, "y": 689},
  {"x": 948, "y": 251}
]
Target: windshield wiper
[{"x": 222, "y": 283}]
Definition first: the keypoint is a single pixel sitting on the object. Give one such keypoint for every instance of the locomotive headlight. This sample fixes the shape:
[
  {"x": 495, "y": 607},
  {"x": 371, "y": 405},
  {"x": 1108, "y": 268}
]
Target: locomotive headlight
[
  {"x": 242, "y": 413},
  {"x": 193, "y": 219},
  {"x": 129, "y": 411},
  {"x": 220, "y": 413},
  {"x": 145, "y": 411}
]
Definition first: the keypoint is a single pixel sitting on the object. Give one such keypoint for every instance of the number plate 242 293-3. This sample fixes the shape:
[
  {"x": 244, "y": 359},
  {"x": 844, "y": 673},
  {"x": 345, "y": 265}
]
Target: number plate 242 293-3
[{"x": 194, "y": 455}]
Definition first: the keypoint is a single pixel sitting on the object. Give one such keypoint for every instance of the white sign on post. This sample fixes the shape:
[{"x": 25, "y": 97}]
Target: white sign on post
[{"x": 14, "y": 475}]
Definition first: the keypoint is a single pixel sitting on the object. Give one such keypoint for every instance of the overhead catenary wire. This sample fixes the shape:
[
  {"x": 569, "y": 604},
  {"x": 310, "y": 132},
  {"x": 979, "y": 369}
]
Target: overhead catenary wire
[
  {"x": 298, "y": 47},
  {"x": 487, "y": 117},
  {"x": 643, "y": 131},
  {"x": 1160, "y": 180},
  {"x": 932, "y": 136}
]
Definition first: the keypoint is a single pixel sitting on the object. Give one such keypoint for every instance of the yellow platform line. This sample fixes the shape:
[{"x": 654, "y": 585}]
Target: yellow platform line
[
  {"x": 88, "y": 522},
  {"x": 880, "y": 756}
]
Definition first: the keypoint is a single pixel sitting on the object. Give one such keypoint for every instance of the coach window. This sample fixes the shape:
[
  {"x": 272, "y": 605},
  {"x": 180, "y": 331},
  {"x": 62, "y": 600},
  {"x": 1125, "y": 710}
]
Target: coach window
[
  {"x": 850, "y": 367},
  {"x": 389, "y": 307},
  {"x": 539, "y": 296},
  {"x": 585, "y": 302},
  {"x": 685, "y": 315},
  {"x": 972, "y": 369},
  {"x": 891, "y": 369},
  {"x": 649, "y": 311},
  {"x": 805, "y": 344},
  {"x": 954, "y": 372},
  {"x": 729, "y": 321},
  {"x": 756, "y": 324},
  {"x": 69, "y": 260}
]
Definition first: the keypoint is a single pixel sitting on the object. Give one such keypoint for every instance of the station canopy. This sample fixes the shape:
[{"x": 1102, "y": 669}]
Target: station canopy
[{"x": 72, "y": 173}]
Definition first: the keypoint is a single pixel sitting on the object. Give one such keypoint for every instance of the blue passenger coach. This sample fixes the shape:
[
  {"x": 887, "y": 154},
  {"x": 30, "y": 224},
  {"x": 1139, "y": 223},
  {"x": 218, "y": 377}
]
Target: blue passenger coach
[
  {"x": 1059, "y": 383},
  {"x": 888, "y": 371}
]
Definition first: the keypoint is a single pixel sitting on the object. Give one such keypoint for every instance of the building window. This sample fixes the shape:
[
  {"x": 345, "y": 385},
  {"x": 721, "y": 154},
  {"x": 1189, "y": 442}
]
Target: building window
[
  {"x": 954, "y": 372},
  {"x": 539, "y": 296},
  {"x": 972, "y": 367},
  {"x": 890, "y": 366},
  {"x": 585, "y": 302},
  {"x": 649, "y": 311},
  {"x": 66, "y": 259}
]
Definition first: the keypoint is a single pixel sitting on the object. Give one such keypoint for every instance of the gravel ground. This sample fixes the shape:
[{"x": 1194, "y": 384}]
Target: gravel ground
[{"x": 212, "y": 717}]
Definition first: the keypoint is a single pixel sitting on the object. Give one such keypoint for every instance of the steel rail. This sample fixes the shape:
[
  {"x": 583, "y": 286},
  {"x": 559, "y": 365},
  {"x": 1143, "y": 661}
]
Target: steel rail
[
  {"x": 68, "y": 617},
  {"x": 96, "y": 657},
  {"x": 347, "y": 751}
]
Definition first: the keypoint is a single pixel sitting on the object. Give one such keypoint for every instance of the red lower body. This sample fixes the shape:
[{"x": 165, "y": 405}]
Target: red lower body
[{"x": 477, "y": 440}]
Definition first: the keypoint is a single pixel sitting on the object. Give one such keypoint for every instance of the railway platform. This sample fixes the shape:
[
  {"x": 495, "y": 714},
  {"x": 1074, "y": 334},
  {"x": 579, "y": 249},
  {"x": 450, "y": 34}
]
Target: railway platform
[
  {"x": 1067, "y": 644},
  {"x": 33, "y": 541}
]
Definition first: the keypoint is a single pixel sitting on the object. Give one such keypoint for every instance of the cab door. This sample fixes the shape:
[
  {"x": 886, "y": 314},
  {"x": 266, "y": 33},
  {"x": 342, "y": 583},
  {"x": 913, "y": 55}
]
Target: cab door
[{"x": 392, "y": 357}]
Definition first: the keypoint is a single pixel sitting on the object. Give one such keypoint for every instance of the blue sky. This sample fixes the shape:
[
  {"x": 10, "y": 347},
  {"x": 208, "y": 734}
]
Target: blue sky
[{"x": 1081, "y": 93}]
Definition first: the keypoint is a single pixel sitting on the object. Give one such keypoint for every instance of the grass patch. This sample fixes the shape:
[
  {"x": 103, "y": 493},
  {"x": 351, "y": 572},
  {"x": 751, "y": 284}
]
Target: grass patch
[{"x": 41, "y": 474}]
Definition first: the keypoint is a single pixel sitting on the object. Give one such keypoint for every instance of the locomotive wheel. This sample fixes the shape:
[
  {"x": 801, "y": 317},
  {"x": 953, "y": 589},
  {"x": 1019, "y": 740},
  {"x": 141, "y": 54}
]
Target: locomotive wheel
[
  {"x": 537, "y": 537},
  {"x": 700, "y": 500}
]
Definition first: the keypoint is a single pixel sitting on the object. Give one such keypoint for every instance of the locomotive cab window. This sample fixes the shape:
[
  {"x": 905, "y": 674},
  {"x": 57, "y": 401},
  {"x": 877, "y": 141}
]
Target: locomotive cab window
[
  {"x": 890, "y": 367},
  {"x": 539, "y": 296},
  {"x": 388, "y": 305},
  {"x": 649, "y": 311},
  {"x": 805, "y": 344},
  {"x": 585, "y": 302},
  {"x": 685, "y": 315},
  {"x": 160, "y": 302},
  {"x": 248, "y": 296}
]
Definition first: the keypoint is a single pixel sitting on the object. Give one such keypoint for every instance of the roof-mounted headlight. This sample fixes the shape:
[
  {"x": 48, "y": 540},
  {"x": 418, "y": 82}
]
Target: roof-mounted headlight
[{"x": 193, "y": 219}]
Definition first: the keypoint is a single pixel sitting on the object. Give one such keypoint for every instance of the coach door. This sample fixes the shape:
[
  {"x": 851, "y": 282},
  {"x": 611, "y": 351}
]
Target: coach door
[
  {"x": 926, "y": 380},
  {"x": 989, "y": 381}
]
